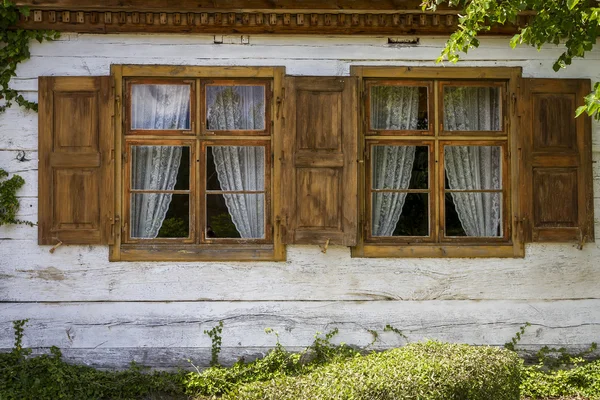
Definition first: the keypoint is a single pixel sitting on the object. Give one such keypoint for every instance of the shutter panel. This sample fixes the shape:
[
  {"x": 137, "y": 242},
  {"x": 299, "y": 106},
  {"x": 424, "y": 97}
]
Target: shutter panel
[
  {"x": 319, "y": 160},
  {"x": 557, "y": 162},
  {"x": 76, "y": 154}
]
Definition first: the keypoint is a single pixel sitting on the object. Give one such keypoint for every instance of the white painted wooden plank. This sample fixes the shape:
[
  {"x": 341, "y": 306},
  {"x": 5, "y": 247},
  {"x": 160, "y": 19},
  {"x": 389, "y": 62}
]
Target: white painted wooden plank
[
  {"x": 300, "y": 49},
  {"x": 159, "y": 358},
  {"x": 165, "y": 325},
  {"x": 83, "y": 273},
  {"x": 19, "y": 129}
]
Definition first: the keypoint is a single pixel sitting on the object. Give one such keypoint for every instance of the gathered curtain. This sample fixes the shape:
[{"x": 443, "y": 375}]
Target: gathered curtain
[
  {"x": 153, "y": 168},
  {"x": 157, "y": 107},
  {"x": 240, "y": 168},
  {"x": 392, "y": 108},
  {"x": 474, "y": 167}
]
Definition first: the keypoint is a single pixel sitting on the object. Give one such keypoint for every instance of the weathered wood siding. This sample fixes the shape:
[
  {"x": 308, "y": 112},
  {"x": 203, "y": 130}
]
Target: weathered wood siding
[{"x": 107, "y": 314}]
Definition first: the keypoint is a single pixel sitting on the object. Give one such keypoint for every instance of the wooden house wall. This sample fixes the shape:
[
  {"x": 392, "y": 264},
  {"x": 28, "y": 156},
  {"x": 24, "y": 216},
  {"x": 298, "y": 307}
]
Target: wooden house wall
[{"x": 107, "y": 314}]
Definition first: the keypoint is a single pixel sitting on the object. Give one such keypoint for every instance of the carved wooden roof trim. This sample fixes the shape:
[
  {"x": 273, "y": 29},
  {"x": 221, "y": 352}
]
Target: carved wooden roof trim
[{"x": 246, "y": 22}]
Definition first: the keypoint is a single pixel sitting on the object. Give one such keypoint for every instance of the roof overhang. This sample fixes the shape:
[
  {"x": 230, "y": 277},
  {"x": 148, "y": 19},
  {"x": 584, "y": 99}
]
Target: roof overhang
[{"x": 322, "y": 17}]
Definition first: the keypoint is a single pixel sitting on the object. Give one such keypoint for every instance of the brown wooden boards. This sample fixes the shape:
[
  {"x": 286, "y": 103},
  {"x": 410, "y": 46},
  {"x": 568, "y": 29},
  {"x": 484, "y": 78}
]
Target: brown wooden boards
[
  {"x": 557, "y": 169},
  {"x": 319, "y": 160},
  {"x": 76, "y": 150},
  {"x": 206, "y": 5}
]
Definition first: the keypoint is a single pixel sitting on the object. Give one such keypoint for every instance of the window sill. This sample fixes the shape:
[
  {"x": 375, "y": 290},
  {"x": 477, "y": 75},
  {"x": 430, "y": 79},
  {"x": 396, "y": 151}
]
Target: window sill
[
  {"x": 505, "y": 250},
  {"x": 183, "y": 252}
]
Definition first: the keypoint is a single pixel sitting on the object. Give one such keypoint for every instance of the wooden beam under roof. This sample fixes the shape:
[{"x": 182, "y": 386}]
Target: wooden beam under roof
[
  {"x": 230, "y": 5},
  {"x": 314, "y": 17}
]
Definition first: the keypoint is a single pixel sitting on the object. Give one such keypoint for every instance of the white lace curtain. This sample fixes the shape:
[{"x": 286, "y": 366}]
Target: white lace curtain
[
  {"x": 474, "y": 167},
  {"x": 155, "y": 107},
  {"x": 240, "y": 168},
  {"x": 235, "y": 107},
  {"x": 392, "y": 108},
  {"x": 160, "y": 107},
  {"x": 153, "y": 168}
]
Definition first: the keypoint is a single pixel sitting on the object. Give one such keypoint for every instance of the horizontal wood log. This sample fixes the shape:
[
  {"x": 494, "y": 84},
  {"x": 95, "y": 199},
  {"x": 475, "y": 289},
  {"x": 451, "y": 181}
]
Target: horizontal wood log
[
  {"x": 122, "y": 326},
  {"x": 83, "y": 273},
  {"x": 190, "y": 358},
  {"x": 200, "y": 5},
  {"x": 96, "y": 20}
]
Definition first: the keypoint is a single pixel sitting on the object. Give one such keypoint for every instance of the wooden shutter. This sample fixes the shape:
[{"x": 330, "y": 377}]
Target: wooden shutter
[
  {"x": 319, "y": 160},
  {"x": 557, "y": 161},
  {"x": 76, "y": 154}
]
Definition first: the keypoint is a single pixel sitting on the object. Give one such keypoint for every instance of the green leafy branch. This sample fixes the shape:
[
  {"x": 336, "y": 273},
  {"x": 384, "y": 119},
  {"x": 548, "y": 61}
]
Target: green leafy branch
[
  {"x": 574, "y": 23},
  {"x": 14, "y": 49},
  {"x": 9, "y": 202}
]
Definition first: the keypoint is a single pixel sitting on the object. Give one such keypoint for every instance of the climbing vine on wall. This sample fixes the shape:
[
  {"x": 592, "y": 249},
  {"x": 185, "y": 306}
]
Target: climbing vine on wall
[
  {"x": 9, "y": 202},
  {"x": 14, "y": 49}
]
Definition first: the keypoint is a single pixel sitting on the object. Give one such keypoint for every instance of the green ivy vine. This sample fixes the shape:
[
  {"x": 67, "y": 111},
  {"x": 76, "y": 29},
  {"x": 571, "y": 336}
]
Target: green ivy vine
[
  {"x": 14, "y": 49},
  {"x": 9, "y": 202}
]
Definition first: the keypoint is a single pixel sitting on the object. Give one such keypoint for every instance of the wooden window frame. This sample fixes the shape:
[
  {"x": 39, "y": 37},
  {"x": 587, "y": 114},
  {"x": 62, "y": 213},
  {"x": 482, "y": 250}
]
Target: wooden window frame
[
  {"x": 394, "y": 82},
  {"x": 130, "y": 82},
  {"x": 476, "y": 83},
  {"x": 369, "y": 186},
  {"x": 128, "y": 190},
  {"x": 511, "y": 244},
  {"x": 126, "y": 249},
  {"x": 235, "y": 82},
  {"x": 505, "y": 191},
  {"x": 204, "y": 191}
]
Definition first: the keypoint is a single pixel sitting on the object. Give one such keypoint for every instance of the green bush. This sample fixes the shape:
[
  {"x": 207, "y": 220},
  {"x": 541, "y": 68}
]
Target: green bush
[
  {"x": 424, "y": 371},
  {"x": 47, "y": 377},
  {"x": 580, "y": 380}
]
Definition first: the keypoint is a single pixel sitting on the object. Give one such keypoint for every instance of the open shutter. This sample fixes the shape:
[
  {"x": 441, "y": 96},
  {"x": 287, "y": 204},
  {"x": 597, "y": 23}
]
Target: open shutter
[
  {"x": 557, "y": 161},
  {"x": 319, "y": 160},
  {"x": 76, "y": 155}
]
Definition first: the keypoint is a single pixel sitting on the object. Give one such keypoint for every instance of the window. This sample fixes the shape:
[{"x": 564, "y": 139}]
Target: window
[
  {"x": 198, "y": 172},
  {"x": 437, "y": 170},
  {"x": 435, "y": 185}
]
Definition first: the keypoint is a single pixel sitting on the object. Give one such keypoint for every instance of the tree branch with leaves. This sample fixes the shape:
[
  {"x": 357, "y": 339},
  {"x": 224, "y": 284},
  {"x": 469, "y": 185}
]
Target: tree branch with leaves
[{"x": 573, "y": 23}]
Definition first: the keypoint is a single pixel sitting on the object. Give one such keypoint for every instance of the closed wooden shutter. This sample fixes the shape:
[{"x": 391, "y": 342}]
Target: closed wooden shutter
[
  {"x": 557, "y": 161},
  {"x": 319, "y": 160},
  {"x": 76, "y": 154}
]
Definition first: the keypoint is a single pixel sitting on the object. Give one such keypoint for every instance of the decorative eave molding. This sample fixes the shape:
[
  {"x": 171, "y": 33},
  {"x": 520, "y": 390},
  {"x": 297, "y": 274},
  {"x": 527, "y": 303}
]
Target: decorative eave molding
[{"x": 252, "y": 22}]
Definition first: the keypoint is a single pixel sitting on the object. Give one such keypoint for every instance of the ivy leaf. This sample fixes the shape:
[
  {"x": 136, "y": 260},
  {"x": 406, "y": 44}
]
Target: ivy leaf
[{"x": 572, "y": 3}]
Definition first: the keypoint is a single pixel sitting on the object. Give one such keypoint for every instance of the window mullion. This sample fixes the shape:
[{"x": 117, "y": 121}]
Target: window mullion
[{"x": 437, "y": 176}]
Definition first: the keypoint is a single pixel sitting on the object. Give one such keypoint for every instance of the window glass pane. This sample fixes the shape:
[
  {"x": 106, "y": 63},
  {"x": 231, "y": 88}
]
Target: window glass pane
[
  {"x": 230, "y": 108},
  {"x": 472, "y": 108},
  {"x": 474, "y": 214},
  {"x": 160, "y": 107},
  {"x": 160, "y": 167},
  {"x": 473, "y": 167},
  {"x": 159, "y": 215},
  {"x": 400, "y": 214},
  {"x": 400, "y": 167},
  {"x": 235, "y": 168},
  {"x": 235, "y": 216},
  {"x": 399, "y": 108}
]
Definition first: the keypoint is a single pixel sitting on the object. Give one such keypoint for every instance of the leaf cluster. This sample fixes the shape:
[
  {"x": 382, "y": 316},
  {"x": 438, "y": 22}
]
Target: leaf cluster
[
  {"x": 14, "y": 49},
  {"x": 573, "y": 23},
  {"x": 9, "y": 202},
  {"x": 49, "y": 377}
]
